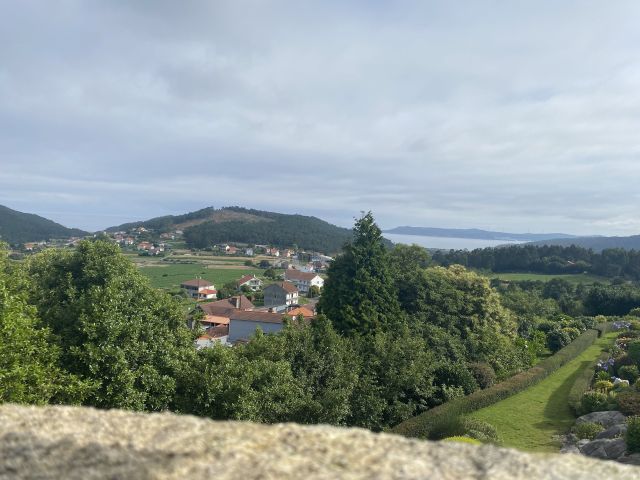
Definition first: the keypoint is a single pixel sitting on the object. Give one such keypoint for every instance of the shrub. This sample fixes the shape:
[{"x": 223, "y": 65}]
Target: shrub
[
  {"x": 629, "y": 372},
  {"x": 594, "y": 402},
  {"x": 454, "y": 426},
  {"x": 421, "y": 425},
  {"x": 462, "y": 439},
  {"x": 557, "y": 339},
  {"x": 583, "y": 383},
  {"x": 572, "y": 332},
  {"x": 587, "y": 430},
  {"x": 454, "y": 375},
  {"x": 483, "y": 373},
  {"x": 628, "y": 402},
  {"x": 603, "y": 386},
  {"x": 632, "y": 437},
  {"x": 633, "y": 351}
]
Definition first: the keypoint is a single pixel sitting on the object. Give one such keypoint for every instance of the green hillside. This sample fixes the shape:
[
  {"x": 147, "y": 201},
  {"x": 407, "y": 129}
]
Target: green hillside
[
  {"x": 209, "y": 226},
  {"x": 309, "y": 233},
  {"x": 19, "y": 227}
]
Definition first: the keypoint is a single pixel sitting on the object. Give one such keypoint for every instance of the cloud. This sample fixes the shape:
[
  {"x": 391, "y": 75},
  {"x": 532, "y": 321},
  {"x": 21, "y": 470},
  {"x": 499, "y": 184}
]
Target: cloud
[{"x": 513, "y": 116}]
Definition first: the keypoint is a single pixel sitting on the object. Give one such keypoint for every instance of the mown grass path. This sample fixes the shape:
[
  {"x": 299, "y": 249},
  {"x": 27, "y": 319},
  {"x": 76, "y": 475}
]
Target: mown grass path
[{"x": 530, "y": 419}]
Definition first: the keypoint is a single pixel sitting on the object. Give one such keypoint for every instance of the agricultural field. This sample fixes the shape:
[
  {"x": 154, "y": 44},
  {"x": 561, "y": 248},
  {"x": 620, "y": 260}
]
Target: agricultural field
[
  {"x": 575, "y": 279},
  {"x": 169, "y": 272}
]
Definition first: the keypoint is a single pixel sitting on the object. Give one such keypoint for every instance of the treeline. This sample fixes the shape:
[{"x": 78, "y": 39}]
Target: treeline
[
  {"x": 309, "y": 233},
  {"x": 550, "y": 259}
]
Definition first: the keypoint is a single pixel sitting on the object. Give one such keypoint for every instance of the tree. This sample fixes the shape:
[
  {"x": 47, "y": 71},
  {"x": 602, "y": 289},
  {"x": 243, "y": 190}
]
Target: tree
[
  {"x": 314, "y": 291},
  {"x": 359, "y": 295},
  {"x": 29, "y": 360},
  {"x": 112, "y": 327}
]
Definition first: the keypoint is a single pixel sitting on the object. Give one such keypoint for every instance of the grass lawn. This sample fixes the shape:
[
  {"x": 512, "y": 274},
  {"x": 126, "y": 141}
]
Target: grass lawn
[
  {"x": 171, "y": 276},
  {"x": 576, "y": 278},
  {"x": 530, "y": 419}
]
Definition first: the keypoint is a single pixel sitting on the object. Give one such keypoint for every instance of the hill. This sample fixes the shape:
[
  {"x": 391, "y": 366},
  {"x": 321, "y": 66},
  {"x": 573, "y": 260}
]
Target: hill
[
  {"x": 170, "y": 223},
  {"x": 19, "y": 227},
  {"x": 210, "y": 226},
  {"x": 596, "y": 243},
  {"x": 474, "y": 233}
]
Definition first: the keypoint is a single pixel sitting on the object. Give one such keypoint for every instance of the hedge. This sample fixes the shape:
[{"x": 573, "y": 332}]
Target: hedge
[
  {"x": 419, "y": 426},
  {"x": 581, "y": 385}
]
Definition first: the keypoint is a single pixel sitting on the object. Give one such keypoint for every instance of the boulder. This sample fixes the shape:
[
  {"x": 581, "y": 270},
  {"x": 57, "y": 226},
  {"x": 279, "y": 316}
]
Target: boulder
[
  {"x": 605, "y": 448},
  {"x": 606, "y": 419},
  {"x": 613, "y": 432},
  {"x": 83, "y": 443}
]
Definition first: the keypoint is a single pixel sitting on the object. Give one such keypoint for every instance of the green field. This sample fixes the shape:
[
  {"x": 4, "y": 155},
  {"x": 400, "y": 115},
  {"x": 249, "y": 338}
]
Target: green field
[
  {"x": 171, "y": 276},
  {"x": 531, "y": 420},
  {"x": 577, "y": 278}
]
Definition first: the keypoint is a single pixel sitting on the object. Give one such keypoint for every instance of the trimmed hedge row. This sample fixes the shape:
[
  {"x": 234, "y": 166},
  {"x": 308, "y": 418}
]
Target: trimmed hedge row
[
  {"x": 420, "y": 425},
  {"x": 581, "y": 385}
]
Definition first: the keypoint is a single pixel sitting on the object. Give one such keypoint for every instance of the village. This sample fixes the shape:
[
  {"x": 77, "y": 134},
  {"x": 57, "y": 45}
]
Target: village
[{"x": 288, "y": 286}]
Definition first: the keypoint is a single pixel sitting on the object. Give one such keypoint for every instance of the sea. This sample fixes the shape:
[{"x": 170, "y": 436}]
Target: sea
[{"x": 446, "y": 242}]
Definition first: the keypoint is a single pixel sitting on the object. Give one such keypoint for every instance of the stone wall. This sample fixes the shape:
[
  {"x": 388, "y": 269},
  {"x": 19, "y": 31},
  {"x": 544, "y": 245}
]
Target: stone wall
[{"x": 82, "y": 443}]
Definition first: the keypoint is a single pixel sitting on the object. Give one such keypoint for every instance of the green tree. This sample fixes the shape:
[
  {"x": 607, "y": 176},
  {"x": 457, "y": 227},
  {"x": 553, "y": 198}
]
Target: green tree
[
  {"x": 29, "y": 360},
  {"x": 322, "y": 362},
  {"x": 224, "y": 384},
  {"x": 112, "y": 327},
  {"x": 395, "y": 380},
  {"x": 359, "y": 294}
]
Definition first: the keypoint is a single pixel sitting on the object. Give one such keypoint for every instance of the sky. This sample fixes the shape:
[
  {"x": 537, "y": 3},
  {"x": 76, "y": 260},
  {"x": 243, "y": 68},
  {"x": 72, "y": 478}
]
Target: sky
[{"x": 519, "y": 116}]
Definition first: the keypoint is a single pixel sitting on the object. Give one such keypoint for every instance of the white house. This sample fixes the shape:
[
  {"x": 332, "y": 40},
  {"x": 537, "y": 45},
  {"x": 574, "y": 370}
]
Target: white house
[
  {"x": 199, "y": 289},
  {"x": 252, "y": 282},
  {"x": 303, "y": 280}
]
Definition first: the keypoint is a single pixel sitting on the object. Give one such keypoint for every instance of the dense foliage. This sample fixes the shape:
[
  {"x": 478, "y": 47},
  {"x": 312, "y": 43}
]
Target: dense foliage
[
  {"x": 309, "y": 233},
  {"x": 111, "y": 327},
  {"x": 18, "y": 227},
  {"x": 551, "y": 259}
]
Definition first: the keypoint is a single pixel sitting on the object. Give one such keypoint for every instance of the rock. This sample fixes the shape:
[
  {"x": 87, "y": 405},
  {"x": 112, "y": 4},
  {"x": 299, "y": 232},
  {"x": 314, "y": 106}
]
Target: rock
[
  {"x": 571, "y": 448},
  {"x": 613, "y": 432},
  {"x": 595, "y": 448},
  {"x": 631, "y": 459},
  {"x": 582, "y": 443},
  {"x": 615, "y": 448},
  {"x": 83, "y": 443},
  {"x": 608, "y": 449},
  {"x": 606, "y": 419}
]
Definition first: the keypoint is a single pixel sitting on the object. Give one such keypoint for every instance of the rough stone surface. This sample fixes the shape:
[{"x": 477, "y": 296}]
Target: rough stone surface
[
  {"x": 609, "y": 449},
  {"x": 631, "y": 459},
  {"x": 613, "y": 432},
  {"x": 80, "y": 443},
  {"x": 606, "y": 419}
]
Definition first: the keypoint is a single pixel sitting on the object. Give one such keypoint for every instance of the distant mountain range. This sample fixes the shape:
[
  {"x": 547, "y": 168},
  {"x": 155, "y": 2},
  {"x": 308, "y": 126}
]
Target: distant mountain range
[
  {"x": 474, "y": 233},
  {"x": 209, "y": 226},
  {"x": 19, "y": 227}
]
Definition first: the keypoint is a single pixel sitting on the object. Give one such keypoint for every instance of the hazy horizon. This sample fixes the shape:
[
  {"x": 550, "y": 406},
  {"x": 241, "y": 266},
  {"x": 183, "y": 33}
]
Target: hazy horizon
[{"x": 516, "y": 117}]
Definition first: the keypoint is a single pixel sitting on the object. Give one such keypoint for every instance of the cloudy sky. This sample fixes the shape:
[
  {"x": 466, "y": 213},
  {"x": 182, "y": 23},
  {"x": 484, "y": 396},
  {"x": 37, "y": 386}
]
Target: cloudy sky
[{"x": 509, "y": 115}]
